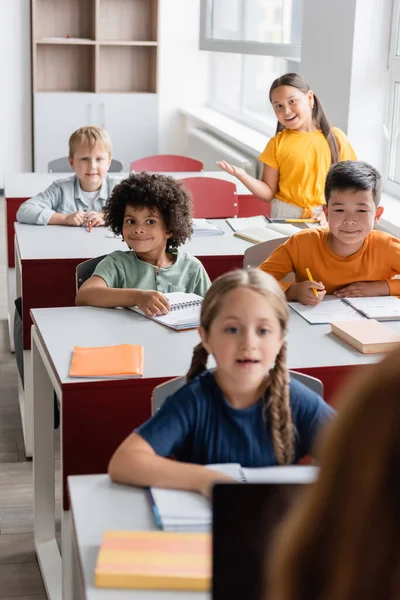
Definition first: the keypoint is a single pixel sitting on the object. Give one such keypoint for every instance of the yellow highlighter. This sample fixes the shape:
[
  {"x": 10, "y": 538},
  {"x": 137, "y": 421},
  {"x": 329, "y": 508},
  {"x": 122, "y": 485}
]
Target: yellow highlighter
[{"x": 311, "y": 279}]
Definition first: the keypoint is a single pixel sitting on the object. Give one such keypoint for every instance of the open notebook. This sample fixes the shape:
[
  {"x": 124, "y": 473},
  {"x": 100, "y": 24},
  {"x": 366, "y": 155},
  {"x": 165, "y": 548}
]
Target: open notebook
[
  {"x": 178, "y": 510},
  {"x": 258, "y": 229},
  {"x": 184, "y": 313},
  {"x": 381, "y": 308}
]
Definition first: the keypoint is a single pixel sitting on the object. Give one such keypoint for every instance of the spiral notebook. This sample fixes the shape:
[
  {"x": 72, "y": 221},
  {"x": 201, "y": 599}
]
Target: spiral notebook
[{"x": 184, "y": 313}]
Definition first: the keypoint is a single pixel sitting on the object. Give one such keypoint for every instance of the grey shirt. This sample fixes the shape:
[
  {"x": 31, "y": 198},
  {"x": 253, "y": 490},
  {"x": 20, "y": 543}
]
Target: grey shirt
[
  {"x": 125, "y": 270},
  {"x": 62, "y": 196}
]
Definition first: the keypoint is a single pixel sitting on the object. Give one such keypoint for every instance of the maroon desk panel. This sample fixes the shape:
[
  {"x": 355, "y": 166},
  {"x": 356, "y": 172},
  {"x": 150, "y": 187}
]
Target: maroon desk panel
[
  {"x": 251, "y": 206},
  {"x": 49, "y": 283},
  {"x": 334, "y": 378},
  {"x": 97, "y": 417},
  {"x": 12, "y": 206}
]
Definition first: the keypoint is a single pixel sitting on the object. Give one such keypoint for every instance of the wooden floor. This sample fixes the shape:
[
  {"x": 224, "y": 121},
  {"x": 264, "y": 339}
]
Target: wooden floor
[{"x": 20, "y": 577}]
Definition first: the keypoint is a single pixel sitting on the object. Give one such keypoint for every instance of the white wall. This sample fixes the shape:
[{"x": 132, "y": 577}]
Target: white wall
[
  {"x": 344, "y": 58},
  {"x": 182, "y": 70},
  {"x": 326, "y": 58},
  {"x": 15, "y": 77}
]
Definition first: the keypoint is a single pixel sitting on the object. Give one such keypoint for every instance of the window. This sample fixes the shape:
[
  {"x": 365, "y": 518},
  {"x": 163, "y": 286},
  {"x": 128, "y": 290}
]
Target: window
[
  {"x": 261, "y": 27},
  {"x": 239, "y": 87},
  {"x": 252, "y": 42},
  {"x": 392, "y": 183}
]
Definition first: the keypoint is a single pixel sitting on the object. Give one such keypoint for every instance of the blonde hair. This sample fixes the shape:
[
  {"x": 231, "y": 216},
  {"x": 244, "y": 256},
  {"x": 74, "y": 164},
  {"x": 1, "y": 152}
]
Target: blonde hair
[
  {"x": 277, "y": 405},
  {"x": 342, "y": 540},
  {"x": 91, "y": 135}
]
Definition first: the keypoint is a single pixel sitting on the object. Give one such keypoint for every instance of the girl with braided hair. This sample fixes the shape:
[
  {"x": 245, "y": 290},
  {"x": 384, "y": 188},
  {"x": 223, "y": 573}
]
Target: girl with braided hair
[{"x": 246, "y": 411}]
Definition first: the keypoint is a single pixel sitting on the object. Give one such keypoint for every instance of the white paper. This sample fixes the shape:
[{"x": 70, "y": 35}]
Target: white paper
[
  {"x": 287, "y": 474},
  {"x": 330, "y": 309},
  {"x": 382, "y": 308}
]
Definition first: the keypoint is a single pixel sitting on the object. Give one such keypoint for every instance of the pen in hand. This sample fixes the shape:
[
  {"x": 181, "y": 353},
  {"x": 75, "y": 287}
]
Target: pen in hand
[
  {"x": 89, "y": 226},
  {"x": 310, "y": 278}
]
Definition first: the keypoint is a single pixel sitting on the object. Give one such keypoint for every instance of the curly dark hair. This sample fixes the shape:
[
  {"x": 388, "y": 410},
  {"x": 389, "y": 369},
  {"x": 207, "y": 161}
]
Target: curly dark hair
[{"x": 151, "y": 190}]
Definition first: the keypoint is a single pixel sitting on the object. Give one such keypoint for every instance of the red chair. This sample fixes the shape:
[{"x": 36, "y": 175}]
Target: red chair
[
  {"x": 251, "y": 206},
  {"x": 212, "y": 198},
  {"x": 166, "y": 163}
]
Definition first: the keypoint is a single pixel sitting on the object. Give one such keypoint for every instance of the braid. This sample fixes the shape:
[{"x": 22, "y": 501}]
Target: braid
[
  {"x": 199, "y": 362},
  {"x": 322, "y": 122},
  {"x": 278, "y": 408}
]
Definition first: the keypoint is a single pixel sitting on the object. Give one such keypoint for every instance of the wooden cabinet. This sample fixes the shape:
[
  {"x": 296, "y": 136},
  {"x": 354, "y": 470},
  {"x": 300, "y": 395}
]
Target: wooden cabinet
[{"x": 94, "y": 62}]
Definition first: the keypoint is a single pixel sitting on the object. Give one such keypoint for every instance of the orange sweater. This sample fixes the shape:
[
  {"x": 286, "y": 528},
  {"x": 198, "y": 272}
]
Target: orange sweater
[{"x": 378, "y": 259}]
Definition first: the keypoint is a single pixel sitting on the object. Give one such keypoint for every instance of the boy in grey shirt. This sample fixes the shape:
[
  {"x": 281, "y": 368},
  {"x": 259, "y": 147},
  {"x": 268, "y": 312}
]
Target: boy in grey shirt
[{"x": 80, "y": 199}]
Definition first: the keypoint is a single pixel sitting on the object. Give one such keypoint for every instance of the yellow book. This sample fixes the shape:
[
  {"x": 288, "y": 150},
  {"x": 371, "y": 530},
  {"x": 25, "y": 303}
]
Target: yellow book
[{"x": 154, "y": 560}]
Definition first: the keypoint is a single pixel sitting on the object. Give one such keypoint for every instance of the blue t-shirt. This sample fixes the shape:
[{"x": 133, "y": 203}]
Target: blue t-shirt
[{"x": 197, "y": 425}]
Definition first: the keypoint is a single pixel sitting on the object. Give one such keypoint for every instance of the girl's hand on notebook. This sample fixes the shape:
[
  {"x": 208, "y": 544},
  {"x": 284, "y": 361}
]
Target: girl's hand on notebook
[
  {"x": 231, "y": 169},
  {"x": 303, "y": 292},
  {"x": 75, "y": 219},
  {"x": 363, "y": 288},
  {"x": 95, "y": 218},
  {"x": 151, "y": 302}
]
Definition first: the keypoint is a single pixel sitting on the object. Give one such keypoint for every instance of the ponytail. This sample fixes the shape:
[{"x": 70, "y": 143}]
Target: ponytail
[
  {"x": 279, "y": 412},
  {"x": 322, "y": 122},
  {"x": 199, "y": 362}
]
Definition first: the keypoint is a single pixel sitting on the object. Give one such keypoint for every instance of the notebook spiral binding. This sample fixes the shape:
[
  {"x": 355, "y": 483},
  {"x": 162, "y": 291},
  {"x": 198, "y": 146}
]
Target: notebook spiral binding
[{"x": 181, "y": 305}]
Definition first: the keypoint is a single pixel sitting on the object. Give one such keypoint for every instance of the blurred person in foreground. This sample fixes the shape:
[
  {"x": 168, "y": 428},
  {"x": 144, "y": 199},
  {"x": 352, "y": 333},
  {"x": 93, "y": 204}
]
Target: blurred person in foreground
[{"x": 342, "y": 542}]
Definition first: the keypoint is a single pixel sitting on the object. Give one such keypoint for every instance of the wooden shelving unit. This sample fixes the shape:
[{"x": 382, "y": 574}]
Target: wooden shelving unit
[{"x": 94, "y": 46}]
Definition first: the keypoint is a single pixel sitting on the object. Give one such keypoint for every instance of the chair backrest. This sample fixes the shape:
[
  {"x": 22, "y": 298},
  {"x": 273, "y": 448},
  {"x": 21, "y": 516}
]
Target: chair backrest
[
  {"x": 212, "y": 198},
  {"x": 251, "y": 206},
  {"x": 61, "y": 165},
  {"x": 162, "y": 391},
  {"x": 86, "y": 269},
  {"x": 256, "y": 254},
  {"x": 312, "y": 383},
  {"x": 167, "y": 163}
]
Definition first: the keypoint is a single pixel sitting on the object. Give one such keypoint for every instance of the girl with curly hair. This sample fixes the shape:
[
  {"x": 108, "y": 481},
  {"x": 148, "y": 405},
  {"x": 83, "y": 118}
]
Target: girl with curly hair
[
  {"x": 246, "y": 411},
  {"x": 154, "y": 214}
]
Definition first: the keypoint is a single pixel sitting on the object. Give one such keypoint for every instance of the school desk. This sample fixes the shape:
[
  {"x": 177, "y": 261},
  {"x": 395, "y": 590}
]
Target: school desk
[
  {"x": 112, "y": 507},
  {"x": 46, "y": 260},
  {"x": 18, "y": 187},
  {"x": 97, "y": 414}
]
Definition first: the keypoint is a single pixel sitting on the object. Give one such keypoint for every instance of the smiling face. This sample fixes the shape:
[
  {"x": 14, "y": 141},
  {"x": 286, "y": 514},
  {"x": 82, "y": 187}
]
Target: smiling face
[
  {"x": 293, "y": 108},
  {"x": 90, "y": 165},
  {"x": 245, "y": 338},
  {"x": 144, "y": 231},
  {"x": 351, "y": 216}
]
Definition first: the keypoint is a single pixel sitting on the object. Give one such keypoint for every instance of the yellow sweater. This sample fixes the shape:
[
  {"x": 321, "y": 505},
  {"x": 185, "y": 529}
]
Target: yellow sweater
[
  {"x": 303, "y": 160},
  {"x": 378, "y": 259}
]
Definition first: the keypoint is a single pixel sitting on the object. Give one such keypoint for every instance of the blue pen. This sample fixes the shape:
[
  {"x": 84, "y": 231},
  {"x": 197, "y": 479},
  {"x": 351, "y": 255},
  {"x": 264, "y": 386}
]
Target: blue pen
[{"x": 156, "y": 513}]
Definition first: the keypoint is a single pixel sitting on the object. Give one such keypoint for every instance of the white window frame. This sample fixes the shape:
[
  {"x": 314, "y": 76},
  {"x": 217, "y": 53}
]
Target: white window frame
[
  {"x": 394, "y": 77},
  {"x": 290, "y": 51}
]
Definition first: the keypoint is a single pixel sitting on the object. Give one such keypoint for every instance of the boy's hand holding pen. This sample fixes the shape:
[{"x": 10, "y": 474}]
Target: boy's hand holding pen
[
  {"x": 93, "y": 219},
  {"x": 308, "y": 292}
]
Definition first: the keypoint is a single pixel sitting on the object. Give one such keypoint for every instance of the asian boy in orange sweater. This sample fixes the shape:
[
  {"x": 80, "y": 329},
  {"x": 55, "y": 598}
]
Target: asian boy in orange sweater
[{"x": 350, "y": 259}]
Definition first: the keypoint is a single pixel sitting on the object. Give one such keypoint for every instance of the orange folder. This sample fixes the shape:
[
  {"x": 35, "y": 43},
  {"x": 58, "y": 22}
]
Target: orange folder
[
  {"x": 125, "y": 360},
  {"x": 154, "y": 560}
]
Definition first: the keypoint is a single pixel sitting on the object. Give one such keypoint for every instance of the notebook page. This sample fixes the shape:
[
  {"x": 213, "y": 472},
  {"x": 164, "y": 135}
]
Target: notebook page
[
  {"x": 382, "y": 308},
  {"x": 287, "y": 474},
  {"x": 330, "y": 309},
  {"x": 204, "y": 227},
  {"x": 239, "y": 223}
]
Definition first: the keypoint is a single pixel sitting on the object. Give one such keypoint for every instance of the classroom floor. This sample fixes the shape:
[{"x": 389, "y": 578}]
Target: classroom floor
[{"x": 20, "y": 577}]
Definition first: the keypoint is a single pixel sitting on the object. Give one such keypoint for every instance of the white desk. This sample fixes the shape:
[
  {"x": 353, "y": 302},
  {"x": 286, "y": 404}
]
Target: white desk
[
  {"x": 114, "y": 507},
  {"x": 97, "y": 414},
  {"x": 45, "y": 263},
  {"x": 26, "y": 185},
  {"x": 20, "y": 186}
]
